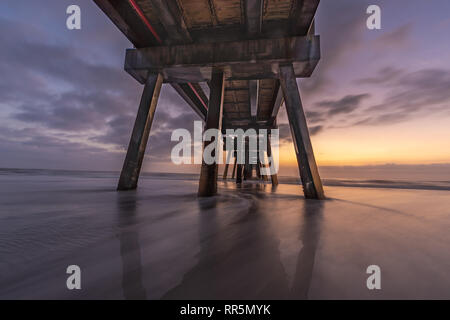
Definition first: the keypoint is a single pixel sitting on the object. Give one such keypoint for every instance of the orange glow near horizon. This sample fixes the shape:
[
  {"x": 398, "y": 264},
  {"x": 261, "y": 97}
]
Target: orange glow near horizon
[{"x": 413, "y": 142}]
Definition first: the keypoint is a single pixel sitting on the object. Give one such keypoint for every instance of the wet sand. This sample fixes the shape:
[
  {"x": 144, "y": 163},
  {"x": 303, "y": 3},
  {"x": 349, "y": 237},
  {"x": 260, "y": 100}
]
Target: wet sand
[{"x": 253, "y": 242}]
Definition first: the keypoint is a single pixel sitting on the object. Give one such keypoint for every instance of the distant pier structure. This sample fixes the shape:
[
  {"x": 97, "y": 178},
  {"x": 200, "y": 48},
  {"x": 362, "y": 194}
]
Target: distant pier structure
[{"x": 249, "y": 54}]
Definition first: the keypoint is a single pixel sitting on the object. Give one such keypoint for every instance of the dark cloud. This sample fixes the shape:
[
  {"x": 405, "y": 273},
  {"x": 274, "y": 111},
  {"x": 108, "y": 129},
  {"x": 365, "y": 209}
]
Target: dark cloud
[
  {"x": 344, "y": 105},
  {"x": 315, "y": 130},
  {"x": 285, "y": 135},
  {"x": 385, "y": 75},
  {"x": 315, "y": 116},
  {"x": 424, "y": 92},
  {"x": 343, "y": 33},
  {"x": 407, "y": 95},
  {"x": 60, "y": 87}
]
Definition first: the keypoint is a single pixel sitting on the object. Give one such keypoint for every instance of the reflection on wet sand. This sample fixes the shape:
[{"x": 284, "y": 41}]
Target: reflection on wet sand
[
  {"x": 241, "y": 259},
  {"x": 249, "y": 242},
  {"x": 130, "y": 251},
  {"x": 309, "y": 235}
]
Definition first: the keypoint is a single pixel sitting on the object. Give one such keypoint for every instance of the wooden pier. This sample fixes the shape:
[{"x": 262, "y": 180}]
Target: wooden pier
[{"x": 249, "y": 52}]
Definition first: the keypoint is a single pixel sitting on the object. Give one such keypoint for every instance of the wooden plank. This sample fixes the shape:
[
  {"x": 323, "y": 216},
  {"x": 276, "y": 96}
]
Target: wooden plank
[
  {"x": 212, "y": 12},
  {"x": 277, "y": 9},
  {"x": 197, "y": 13},
  {"x": 228, "y": 12},
  {"x": 312, "y": 184},
  {"x": 138, "y": 142},
  {"x": 253, "y": 16},
  {"x": 208, "y": 174}
]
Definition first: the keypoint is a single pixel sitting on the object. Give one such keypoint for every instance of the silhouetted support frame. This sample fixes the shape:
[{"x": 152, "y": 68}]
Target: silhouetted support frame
[
  {"x": 273, "y": 174},
  {"x": 234, "y": 168},
  {"x": 312, "y": 184},
  {"x": 136, "y": 149},
  {"x": 239, "y": 173},
  {"x": 208, "y": 175},
  {"x": 248, "y": 170},
  {"x": 225, "y": 171},
  {"x": 227, "y": 164}
]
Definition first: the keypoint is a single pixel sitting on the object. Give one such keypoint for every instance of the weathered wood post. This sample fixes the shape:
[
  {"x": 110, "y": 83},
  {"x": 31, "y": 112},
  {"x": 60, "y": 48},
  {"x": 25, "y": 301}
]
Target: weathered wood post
[
  {"x": 312, "y": 185},
  {"x": 225, "y": 171},
  {"x": 235, "y": 158},
  {"x": 258, "y": 170},
  {"x": 273, "y": 174},
  {"x": 138, "y": 142},
  {"x": 227, "y": 164},
  {"x": 208, "y": 175},
  {"x": 234, "y": 168},
  {"x": 239, "y": 174},
  {"x": 258, "y": 162},
  {"x": 248, "y": 170}
]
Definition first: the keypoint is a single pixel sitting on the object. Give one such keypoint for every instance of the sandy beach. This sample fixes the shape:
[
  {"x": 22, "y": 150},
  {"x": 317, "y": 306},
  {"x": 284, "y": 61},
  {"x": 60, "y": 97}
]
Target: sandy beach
[{"x": 250, "y": 242}]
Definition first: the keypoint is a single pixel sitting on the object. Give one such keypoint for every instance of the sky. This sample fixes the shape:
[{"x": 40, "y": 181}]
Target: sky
[{"x": 377, "y": 96}]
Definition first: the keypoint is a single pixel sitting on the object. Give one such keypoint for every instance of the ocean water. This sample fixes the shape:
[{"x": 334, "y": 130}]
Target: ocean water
[{"x": 249, "y": 242}]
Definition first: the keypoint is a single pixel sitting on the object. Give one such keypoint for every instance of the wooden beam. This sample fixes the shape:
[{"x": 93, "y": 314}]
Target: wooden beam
[
  {"x": 312, "y": 184},
  {"x": 138, "y": 142},
  {"x": 253, "y": 93},
  {"x": 185, "y": 91},
  {"x": 280, "y": 50},
  {"x": 250, "y": 59},
  {"x": 253, "y": 16},
  {"x": 236, "y": 32},
  {"x": 208, "y": 174},
  {"x": 212, "y": 12},
  {"x": 171, "y": 18},
  {"x": 247, "y": 126},
  {"x": 278, "y": 100},
  {"x": 312, "y": 28},
  {"x": 303, "y": 16}
]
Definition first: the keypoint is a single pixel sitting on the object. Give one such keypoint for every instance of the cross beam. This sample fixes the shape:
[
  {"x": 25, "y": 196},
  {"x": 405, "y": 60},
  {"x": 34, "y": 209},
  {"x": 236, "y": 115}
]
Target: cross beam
[{"x": 248, "y": 59}]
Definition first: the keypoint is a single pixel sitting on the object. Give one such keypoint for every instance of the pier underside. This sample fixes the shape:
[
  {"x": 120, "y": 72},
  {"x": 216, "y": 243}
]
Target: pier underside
[{"x": 256, "y": 47}]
